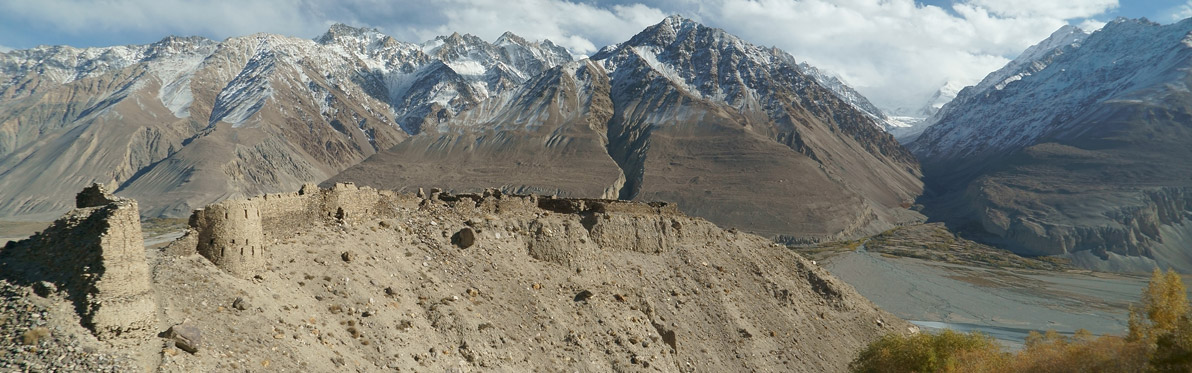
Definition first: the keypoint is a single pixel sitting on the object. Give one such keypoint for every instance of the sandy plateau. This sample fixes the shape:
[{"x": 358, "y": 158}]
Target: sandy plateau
[{"x": 349, "y": 279}]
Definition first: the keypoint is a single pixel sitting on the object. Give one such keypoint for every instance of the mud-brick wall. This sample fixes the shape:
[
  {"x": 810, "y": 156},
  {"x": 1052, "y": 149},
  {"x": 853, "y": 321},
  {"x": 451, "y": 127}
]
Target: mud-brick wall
[
  {"x": 95, "y": 256},
  {"x": 229, "y": 234},
  {"x": 284, "y": 214},
  {"x": 346, "y": 202},
  {"x": 123, "y": 300}
]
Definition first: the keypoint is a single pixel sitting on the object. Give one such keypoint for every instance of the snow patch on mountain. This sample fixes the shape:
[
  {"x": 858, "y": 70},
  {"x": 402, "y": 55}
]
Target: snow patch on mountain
[
  {"x": 468, "y": 68},
  {"x": 175, "y": 75},
  {"x": 1034, "y": 58},
  {"x": 1040, "y": 92},
  {"x": 247, "y": 93},
  {"x": 845, "y": 92}
]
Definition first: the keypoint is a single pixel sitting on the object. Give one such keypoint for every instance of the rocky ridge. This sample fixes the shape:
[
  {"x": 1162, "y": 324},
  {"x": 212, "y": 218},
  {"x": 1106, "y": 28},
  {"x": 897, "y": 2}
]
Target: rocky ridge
[
  {"x": 187, "y": 121},
  {"x": 684, "y": 113},
  {"x": 363, "y": 279},
  {"x": 1078, "y": 150},
  {"x": 852, "y": 97}
]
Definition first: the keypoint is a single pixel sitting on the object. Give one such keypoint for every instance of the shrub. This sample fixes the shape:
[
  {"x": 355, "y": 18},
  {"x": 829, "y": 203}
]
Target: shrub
[
  {"x": 35, "y": 335},
  {"x": 1159, "y": 340},
  {"x": 948, "y": 351},
  {"x": 1082, "y": 352}
]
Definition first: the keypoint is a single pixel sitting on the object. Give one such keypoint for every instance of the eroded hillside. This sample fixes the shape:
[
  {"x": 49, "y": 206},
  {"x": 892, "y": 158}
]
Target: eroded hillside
[{"x": 368, "y": 280}]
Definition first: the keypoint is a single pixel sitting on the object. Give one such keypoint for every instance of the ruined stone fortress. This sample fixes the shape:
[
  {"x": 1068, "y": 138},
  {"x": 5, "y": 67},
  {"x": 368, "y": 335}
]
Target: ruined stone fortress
[
  {"x": 237, "y": 235},
  {"x": 95, "y": 254}
]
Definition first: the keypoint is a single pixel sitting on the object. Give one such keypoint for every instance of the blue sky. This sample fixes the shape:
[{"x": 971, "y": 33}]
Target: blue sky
[{"x": 896, "y": 52}]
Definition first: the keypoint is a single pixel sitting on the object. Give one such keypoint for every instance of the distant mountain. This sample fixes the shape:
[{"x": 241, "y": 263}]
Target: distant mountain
[
  {"x": 681, "y": 112},
  {"x": 1079, "y": 147},
  {"x": 908, "y": 124},
  {"x": 848, "y": 94},
  {"x": 684, "y": 113},
  {"x": 905, "y": 125},
  {"x": 187, "y": 121},
  {"x": 970, "y": 103}
]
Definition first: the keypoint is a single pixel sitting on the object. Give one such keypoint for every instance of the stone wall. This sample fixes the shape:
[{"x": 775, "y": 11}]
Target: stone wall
[
  {"x": 95, "y": 256},
  {"x": 232, "y": 236},
  {"x": 238, "y": 236}
]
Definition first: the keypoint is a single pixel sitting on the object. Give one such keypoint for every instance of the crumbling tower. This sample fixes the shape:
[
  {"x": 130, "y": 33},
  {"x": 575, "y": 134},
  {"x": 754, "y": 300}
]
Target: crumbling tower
[
  {"x": 231, "y": 237},
  {"x": 95, "y": 256}
]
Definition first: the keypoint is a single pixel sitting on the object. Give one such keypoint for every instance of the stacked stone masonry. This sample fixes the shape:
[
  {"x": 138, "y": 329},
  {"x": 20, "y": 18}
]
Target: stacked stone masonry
[
  {"x": 238, "y": 235},
  {"x": 95, "y": 256}
]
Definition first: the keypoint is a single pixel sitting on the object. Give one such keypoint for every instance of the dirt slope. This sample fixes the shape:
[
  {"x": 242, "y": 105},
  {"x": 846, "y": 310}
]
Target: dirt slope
[{"x": 547, "y": 284}]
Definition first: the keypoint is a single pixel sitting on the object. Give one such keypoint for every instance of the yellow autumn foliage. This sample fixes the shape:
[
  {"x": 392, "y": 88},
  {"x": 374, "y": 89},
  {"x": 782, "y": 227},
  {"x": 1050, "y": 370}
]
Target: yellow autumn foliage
[{"x": 1159, "y": 339}]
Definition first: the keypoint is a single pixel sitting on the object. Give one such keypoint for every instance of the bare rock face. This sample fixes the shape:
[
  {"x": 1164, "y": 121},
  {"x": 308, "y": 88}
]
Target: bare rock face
[
  {"x": 95, "y": 256},
  {"x": 683, "y": 113},
  {"x": 1082, "y": 153}
]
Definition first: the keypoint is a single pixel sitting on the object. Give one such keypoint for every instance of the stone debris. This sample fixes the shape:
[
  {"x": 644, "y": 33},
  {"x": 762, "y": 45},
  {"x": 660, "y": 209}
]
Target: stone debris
[
  {"x": 412, "y": 300},
  {"x": 30, "y": 342},
  {"x": 465, "y": 238},
  {"x": 186, "y": 337}
]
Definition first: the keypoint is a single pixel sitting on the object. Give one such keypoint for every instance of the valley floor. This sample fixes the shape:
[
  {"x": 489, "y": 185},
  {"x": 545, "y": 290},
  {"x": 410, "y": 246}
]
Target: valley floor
[
  {"x": 1003, "y": 303},
  {"x": 16, "y": 230}
]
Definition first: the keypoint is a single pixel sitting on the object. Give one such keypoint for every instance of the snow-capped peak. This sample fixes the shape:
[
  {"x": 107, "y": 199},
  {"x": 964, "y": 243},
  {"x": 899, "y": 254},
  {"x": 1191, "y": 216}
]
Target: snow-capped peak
[
  {"x": 340, "y": 31},
  {"x": 1034, "y": 58},
  {"x": 848, "y": 94},
  {"x": 509, "y": 38},
  {"x": 1040, "y": 92}
]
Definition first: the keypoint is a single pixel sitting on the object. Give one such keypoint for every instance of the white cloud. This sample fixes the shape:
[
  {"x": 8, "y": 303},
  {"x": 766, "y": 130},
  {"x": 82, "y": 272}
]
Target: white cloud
[
  {"x": 1041, "y": 8},
  {"x": 896, "y": 52},
  {"x": 4, "y": 49},
  {"x": 216, "y": 18},
  {"x": 1180, "y": 12},
  {"x": 1090, "y": 25},
  {"x": 581, "y": 28}
]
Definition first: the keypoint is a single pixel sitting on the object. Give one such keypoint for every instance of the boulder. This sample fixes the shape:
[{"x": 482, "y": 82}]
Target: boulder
[
  {"x": 186, "y": 337},
  {"x": 465, "y": 238}
]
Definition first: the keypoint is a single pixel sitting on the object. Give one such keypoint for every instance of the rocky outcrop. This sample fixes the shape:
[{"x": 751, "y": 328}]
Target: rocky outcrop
[
  {"x": 1080, "y": 150},
  {"x": 683, "y": 113},
  {"x": 237, "y": 235},
  {"x": 377, "y": 279},
  {"x": 94, "y": 256},
  {"x": 347, "y": 277},
  {"x": 1134, "y": 228}
]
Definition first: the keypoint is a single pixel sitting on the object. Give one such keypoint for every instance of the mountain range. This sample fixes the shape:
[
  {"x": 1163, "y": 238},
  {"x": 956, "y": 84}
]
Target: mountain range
[
  {"x": 742, "y": 135},
  {"x": 1078, "y": 148}
]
